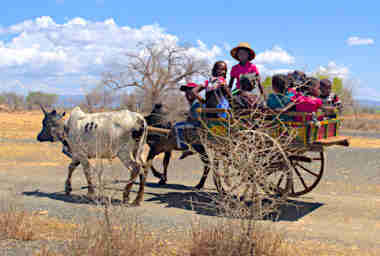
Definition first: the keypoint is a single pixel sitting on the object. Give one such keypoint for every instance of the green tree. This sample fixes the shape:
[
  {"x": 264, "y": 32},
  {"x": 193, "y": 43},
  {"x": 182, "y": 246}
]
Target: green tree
[
  {"x": 337, "y": 85},
  {"x": 267, "y": 84},
  {"x": 3, "y": 100}
]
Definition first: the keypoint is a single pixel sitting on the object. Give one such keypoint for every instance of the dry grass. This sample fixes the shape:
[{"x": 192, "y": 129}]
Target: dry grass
[
  {"x": 229, "y": 238},
  {"x": 362, "y": 122},
  {"x": 222, "y": 238},
  {"x": 96, "y": 239},
  {"x": 361, "y": 142},
  {"x": 20, "y": 125},
  {"x": 24, "y": 226},
  {"x": 38, "y": 152}
]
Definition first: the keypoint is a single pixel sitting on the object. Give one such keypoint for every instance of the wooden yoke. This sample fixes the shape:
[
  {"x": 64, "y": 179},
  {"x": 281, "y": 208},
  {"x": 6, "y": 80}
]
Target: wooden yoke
[{"x": 158, "y": 130}]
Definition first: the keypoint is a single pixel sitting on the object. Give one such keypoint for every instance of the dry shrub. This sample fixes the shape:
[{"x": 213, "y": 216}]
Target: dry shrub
[
  {"x": 250, "y": 165},
  {"x": 98, "y": 239},
  {"x": 235, "y": 238},
  {"x": 362, "y": 124},
  {"x": 16, "y": 225}
]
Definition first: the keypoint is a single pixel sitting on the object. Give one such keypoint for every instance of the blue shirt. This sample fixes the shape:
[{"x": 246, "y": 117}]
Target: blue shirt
[
  {"x": 193, "y": 114},
  {"x": 279, "y": 101}
]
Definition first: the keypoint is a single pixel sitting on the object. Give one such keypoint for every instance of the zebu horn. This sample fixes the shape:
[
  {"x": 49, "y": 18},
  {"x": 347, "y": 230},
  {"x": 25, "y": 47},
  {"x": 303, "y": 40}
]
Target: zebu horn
[{"x": 43, "y": 110}]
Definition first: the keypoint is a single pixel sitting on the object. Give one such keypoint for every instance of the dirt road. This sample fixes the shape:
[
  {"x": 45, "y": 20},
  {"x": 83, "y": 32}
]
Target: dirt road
[{"x": 343, "y": 210}]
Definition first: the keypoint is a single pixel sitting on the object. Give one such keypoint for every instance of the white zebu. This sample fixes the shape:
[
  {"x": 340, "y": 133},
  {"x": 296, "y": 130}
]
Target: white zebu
[{"x": 119, "y": 134}]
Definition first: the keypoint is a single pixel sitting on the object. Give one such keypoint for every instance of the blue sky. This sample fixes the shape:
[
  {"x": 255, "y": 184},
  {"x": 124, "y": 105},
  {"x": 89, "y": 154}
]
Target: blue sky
[{"x": 62, "y": 46}]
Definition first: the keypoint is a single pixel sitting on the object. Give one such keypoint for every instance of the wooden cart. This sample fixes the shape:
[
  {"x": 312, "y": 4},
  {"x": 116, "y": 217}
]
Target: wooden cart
[{"x": 304, "y": 159}]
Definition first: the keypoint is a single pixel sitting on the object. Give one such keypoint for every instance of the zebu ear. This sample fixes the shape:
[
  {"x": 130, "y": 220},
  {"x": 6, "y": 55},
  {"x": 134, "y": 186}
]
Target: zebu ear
[{"x": 43, "y": 110}]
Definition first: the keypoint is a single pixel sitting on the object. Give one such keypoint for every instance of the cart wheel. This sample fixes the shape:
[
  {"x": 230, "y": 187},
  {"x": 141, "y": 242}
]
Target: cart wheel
[
  {"x": 250, "y": 157},
  {"x": 308, "y": 170}
]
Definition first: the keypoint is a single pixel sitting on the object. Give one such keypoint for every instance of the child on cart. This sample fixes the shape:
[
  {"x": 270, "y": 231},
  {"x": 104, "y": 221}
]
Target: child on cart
[
  {"x": 328, "y": 97},
  {"x": 279, "y": 100},
  {"x": 192, "y": 121},
  {"x": 243, "y": 98},
  {"x": 217, "y": 91},
  {"x": 309, "y": 100},
  {"x": 244, "y": 54}
]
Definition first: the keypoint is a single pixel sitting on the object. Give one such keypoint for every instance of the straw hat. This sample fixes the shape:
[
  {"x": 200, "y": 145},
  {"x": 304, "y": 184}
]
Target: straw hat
[{"x": 246, "y": 46}]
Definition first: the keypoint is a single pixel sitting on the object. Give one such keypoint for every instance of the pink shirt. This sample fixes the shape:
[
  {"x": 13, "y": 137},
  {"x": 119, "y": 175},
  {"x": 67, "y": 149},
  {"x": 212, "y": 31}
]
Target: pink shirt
[
  {"x": 307, "y": 104},
  {"x": 238, "y": 69}
]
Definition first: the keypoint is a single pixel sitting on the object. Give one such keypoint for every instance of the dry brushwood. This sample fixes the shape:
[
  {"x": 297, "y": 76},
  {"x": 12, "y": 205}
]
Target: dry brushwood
[{"x": 250, "y": 163}]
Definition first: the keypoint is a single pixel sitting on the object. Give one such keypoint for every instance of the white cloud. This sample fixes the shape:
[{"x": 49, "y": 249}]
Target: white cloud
[
  {"x": 276, "y": 55},
  {"x": 203, "y": 52},
  {"x": 333, "y": 70},
  {"x": 354, "y": 40},
  {"x": 44, "y": 54}
]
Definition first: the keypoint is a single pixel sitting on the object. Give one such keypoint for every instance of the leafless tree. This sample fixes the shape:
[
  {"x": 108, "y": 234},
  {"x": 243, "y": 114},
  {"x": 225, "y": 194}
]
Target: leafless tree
[
  {"x": 129, "y": 101},
  {"x": 13, "y": 100},
  {"x": 155, "y": 70},
  {"x": 99, "y": 97}
]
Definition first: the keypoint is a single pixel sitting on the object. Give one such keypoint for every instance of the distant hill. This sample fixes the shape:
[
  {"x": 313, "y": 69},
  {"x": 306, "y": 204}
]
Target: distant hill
[
  {"x": 70, "y": 100},
  {"x": 369, "y": 103},
  {"x": 74, "y": 100}
]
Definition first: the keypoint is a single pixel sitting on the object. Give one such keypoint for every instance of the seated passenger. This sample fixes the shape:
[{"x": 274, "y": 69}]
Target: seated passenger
[
  {"x": 328, "y": 97},
  {"x": 281, "y": 97},
  {"x": 243, "y": 98},
  {"x": 217, "y": 92},
  {"x": 192, "y": 121},
  {"x": 310, "y": 102},
  {"x": 296, "y": 80}
]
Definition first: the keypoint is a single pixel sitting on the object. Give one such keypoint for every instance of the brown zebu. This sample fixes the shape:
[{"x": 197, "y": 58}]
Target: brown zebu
[{"x": 166, "y": 143}]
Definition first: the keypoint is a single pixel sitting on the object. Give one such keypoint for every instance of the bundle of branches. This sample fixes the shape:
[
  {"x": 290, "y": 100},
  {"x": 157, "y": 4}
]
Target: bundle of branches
[{"x": 249, "y": 159}]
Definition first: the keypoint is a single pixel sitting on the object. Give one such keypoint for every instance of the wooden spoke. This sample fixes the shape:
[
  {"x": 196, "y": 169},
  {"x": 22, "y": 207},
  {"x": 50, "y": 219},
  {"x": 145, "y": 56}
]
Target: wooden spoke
[
  {"x": 280, "y": 180},
  {"x": 309, "y": 174},
  {"x": 300, "y": 177},
  {"x": 306, "y": 170}
]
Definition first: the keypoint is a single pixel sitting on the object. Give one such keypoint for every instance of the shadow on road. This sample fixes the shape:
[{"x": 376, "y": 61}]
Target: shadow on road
[
  {"x": 75, "y": 199},
  {"x": 294, "y": 210},
  {"x": 168, "y": 186},
  {"x": 202, "y": 203},
  {"x": 197, "y": 201}
]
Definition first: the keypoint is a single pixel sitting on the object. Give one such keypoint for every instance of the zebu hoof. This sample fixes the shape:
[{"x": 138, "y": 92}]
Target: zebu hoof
[
  {"x": 199, "y": 186},
  {"x": 68, "y": 189},
  {"x": 136, "y": 203},
  {"x": 162, "y": 182}
]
